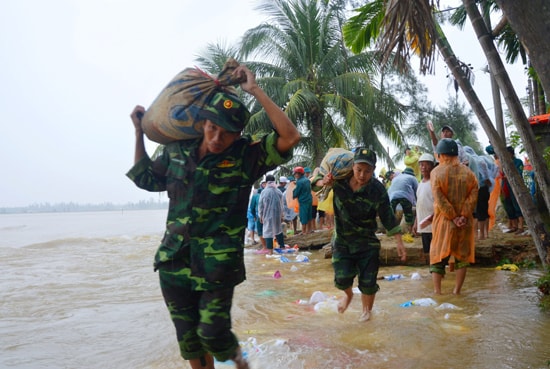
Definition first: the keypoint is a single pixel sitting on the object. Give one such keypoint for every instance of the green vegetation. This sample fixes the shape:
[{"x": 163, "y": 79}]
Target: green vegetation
[
  {"x": 335, "y": 97},
  {"x": 543, "y": 284}
]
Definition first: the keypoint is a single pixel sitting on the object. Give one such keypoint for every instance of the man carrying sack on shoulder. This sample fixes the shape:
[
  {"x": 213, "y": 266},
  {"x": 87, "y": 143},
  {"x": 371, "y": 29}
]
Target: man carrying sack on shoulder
[{"x": 201, "y": 258}]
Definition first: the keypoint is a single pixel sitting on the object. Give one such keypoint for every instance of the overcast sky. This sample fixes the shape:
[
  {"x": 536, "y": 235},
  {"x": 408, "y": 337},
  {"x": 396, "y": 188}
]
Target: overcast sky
[{"x": 71, "y": 71}]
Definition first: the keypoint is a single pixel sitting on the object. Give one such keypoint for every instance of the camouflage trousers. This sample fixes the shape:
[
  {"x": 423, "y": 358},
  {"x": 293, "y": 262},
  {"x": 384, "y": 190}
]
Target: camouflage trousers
[
  {"x": 407, "y": 206},
  {"x": 439, "y": 267},
  {"x": 202, "y": 318},
  {"x": 363, "y": 264}
]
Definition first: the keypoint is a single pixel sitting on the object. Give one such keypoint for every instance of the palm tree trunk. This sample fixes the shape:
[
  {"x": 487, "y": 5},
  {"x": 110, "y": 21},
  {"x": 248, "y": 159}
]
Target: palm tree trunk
[
  {"x": 541, "y": 99},
  {"x": 497, "y": 106},
  {"x": 497, "y": 102},
  {"x": 317, "y": 132},
  {"x": 542, "y": 174},
  {"x": 530, "y": 212},
  {"x": 529, "y": 19}
]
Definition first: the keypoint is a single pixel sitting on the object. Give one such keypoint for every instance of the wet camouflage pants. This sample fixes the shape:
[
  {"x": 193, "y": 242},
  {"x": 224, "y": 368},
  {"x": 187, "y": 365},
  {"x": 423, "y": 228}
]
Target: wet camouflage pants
[
  {"x": 202, "y": 318},
  {"x": 363, "y": 264},
  {"x": 407, "y": 209}
]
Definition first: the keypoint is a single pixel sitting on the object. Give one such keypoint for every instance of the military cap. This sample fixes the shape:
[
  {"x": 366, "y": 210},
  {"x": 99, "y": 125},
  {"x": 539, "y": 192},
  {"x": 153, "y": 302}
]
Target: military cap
[
  {"x": 227, "y": 111},
  {"x": 364, "y": 155}
]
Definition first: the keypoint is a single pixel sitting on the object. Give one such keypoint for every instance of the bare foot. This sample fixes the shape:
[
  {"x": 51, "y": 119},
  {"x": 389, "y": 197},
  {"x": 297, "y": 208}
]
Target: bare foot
[
  {"x": 343, "y": 303},
  {"x": 240, "y": 362},
  {"x": 365, "y": 316}
]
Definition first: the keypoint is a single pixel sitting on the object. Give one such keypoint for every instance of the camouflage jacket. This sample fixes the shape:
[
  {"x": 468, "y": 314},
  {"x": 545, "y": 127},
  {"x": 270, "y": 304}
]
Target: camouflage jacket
[
  {"x": 355, "y": 215},
  {"x": 207, "y": 206}
]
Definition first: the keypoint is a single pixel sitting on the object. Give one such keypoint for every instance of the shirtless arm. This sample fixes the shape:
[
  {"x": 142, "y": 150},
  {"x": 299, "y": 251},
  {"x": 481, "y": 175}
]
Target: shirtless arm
[{"x": 433, "y": 137}]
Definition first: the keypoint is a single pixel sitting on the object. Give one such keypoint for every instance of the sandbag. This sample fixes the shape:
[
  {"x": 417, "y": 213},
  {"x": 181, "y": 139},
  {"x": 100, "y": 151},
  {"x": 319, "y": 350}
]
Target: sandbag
[
  {"x": 338, "y": 162},
  {"x": 173, "y": 114}
]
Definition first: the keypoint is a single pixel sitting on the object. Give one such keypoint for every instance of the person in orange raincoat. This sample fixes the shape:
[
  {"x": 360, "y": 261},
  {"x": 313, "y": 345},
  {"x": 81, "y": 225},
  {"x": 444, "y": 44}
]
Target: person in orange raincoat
[{"x": 455, "y": 191}]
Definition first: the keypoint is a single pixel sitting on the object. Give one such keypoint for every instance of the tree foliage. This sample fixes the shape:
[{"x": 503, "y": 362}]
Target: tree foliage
[{"x": 334, "y": 97}]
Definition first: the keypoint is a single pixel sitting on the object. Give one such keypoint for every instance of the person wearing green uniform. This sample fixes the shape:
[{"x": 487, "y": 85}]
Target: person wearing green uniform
[
  {"x": 201, "y": 257},
  {"x": 358, "y": 200}
]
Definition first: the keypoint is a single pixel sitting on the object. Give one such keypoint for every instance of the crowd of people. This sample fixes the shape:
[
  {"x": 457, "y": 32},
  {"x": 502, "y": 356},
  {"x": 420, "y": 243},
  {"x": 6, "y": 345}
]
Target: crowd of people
[
  {"x": 298, "y": 203},
  {"x": 200, "y": 259},
  {"x": 448, "y": 215},
  {"x": 455, "y": 201}
]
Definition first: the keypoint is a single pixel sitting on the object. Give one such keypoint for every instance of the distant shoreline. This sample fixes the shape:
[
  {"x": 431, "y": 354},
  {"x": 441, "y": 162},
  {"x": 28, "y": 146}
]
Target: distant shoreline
[{"x": 77, "y": 208}]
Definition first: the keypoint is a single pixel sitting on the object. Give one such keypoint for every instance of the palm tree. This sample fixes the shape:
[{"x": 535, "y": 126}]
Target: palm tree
[
  {"x": 507, "y": 39},
  {"x": 213, "y": 57},
  {"x": 331, "y": 94},
  {"x": 524, "y": 129},
  {"x": 529, "y": 20},
  {"x": 411, "y": 25}
]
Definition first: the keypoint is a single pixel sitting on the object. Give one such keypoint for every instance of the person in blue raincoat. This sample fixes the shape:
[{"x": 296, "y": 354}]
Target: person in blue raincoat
[{"x": 271, "y": 213}]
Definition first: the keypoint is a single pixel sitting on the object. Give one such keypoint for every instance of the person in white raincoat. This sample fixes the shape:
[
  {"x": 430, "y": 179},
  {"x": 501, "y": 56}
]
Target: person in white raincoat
[{"x": 271, "y": 212}]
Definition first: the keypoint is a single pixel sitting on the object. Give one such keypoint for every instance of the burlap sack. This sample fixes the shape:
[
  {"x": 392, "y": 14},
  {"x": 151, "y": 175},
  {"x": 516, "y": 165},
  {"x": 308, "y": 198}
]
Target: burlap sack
[
  {"x": 172, "y": 116},
  {"x": 338, "y": 162}
]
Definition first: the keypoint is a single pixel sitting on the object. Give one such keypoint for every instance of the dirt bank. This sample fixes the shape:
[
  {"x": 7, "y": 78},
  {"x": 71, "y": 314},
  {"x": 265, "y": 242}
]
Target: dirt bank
[{"x": 489, "y": 252}]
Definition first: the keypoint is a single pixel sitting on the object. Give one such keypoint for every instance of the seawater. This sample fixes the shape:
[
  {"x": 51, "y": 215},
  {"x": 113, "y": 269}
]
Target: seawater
[{"x": 77, "y": 290}]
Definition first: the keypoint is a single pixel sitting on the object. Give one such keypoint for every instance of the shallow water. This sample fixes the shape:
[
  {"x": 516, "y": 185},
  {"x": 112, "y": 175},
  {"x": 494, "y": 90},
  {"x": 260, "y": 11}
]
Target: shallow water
[{"x": 78, "y": 291}]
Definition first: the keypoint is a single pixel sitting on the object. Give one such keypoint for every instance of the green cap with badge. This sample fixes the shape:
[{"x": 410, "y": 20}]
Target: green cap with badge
[
  {"x": 227, "y": 111},
  {"x": 364, "y": 155}
]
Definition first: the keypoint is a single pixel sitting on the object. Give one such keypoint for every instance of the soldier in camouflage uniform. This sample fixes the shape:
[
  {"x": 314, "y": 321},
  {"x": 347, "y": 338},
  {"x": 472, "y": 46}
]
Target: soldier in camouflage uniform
[
  {"x": 358, "y": 199},
  {"x": 208, "y": 180}
]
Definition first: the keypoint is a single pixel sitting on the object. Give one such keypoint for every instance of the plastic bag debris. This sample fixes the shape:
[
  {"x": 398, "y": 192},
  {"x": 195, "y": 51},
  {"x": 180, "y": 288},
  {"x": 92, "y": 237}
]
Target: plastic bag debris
[
  {"x": 393, "y": 277},
  {"x": 327, "y": 306},
  {"x": 285, "y": 251},
  {"x": 316, "y": 297},
  {"x": 419, "y": 302},
  {"x": 510, "y": 267},
  {"x": 298, "y": 259},
  {"x": 447, "y": 305}
]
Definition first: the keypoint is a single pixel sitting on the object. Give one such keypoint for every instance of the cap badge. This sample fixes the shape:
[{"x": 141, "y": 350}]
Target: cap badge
[
  {"x": 228, "y": 104},
  {"x": 225, "y": 164}
]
